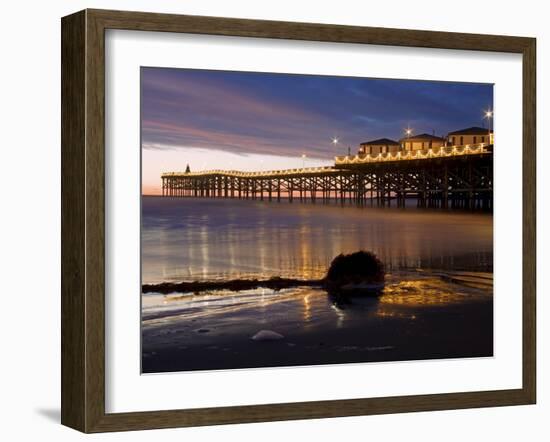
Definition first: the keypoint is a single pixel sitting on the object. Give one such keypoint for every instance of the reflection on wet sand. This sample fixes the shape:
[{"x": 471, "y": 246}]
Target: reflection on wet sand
[
  {"x": 436, "y": 290},
  {"x": 412, "y": 307},
  {"x": 305, "y": 304}
]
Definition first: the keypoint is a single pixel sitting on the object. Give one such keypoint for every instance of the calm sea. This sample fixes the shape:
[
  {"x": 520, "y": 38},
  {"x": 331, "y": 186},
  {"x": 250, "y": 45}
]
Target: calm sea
[{"x": 187, "y": 239}]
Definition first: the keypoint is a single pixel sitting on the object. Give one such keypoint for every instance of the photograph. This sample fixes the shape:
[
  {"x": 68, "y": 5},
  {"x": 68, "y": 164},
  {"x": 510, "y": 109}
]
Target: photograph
[{"x": 298, "y": 220}]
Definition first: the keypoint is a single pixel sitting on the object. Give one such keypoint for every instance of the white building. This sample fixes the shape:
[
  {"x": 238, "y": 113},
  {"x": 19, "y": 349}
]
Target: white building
[
  {"x": 471, "y": 136},
  {"x": 421, "y": 142},
  {"x": 381, "y": 145}
]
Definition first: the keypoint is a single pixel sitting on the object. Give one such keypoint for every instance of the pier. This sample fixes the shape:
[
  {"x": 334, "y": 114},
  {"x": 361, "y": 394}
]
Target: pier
[{"x": 444, "y": 177}]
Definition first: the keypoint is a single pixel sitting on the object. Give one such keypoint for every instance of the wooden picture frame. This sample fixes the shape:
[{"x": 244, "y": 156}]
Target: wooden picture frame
[{"x": 83, "y": 220}]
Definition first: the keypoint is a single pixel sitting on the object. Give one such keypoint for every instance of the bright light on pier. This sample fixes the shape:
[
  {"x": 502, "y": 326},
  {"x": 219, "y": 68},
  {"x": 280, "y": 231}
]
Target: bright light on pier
[{"x": 442, "y": 152}]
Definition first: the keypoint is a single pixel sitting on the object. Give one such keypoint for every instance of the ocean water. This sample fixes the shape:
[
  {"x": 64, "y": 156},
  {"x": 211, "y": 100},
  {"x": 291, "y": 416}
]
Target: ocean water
[{"x": 188, "y": 239}]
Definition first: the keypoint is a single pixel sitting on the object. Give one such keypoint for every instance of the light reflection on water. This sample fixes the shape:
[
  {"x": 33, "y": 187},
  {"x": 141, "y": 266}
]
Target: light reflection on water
[{"x": 198, "y": 239}]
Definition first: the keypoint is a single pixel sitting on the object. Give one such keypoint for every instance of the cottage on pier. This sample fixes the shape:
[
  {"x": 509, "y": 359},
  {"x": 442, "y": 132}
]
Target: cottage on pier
[
  {"x": 471, "y": 136},
  {"x": 381, "y": 145},
  {"x": 421, "y": 142}
]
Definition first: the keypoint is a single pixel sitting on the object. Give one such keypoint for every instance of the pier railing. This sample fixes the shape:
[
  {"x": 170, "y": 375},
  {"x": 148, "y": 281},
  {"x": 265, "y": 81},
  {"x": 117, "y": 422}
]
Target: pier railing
[
  {"x": 265, "y": 173},
  {"x": 438, "y": 152},
  {"x": 441, "y": 152}
]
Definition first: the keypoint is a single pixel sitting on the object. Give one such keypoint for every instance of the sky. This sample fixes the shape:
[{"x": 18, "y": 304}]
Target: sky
[{"x": 262, "y": 121}]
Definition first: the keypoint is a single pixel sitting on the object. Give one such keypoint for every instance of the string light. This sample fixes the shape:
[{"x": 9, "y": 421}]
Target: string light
[{"x": 356, "y": 159}]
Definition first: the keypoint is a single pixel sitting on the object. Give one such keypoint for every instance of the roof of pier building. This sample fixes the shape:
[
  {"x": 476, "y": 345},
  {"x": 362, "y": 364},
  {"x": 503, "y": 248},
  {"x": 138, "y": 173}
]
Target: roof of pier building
[
  {"x": 380, "y": 142},
  {"x": 422, "y": 137},
  {"x": 474, "y": 130}
]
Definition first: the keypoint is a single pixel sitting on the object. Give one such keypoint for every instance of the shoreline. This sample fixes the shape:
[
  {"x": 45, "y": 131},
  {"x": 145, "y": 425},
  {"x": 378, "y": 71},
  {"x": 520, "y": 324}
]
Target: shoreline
[
  {"x": 410, "y": 205},
  {"x": 279, "y": 283},
  {"x": 235, "y": 285}
]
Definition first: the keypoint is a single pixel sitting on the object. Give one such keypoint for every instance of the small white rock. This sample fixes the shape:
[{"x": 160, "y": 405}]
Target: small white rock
[{"x": 267, "y": 335}]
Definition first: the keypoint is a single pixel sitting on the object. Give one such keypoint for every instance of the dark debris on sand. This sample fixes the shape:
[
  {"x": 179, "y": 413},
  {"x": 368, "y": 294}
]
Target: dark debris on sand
[{"x": 356, "y": 268}]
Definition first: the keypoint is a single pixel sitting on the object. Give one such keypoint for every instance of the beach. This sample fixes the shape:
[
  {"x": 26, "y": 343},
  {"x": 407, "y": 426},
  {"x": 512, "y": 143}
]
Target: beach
[{"x": 437, "y": 301}]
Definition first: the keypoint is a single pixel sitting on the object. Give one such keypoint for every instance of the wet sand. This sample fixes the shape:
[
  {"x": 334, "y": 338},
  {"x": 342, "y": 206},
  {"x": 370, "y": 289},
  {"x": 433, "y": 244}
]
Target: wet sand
[{"x": 421, "y": 315}]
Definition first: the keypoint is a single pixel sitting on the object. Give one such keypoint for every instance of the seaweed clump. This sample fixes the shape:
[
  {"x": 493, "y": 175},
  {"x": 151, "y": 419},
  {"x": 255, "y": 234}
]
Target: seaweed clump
[{"x": 359, "y": 271}]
